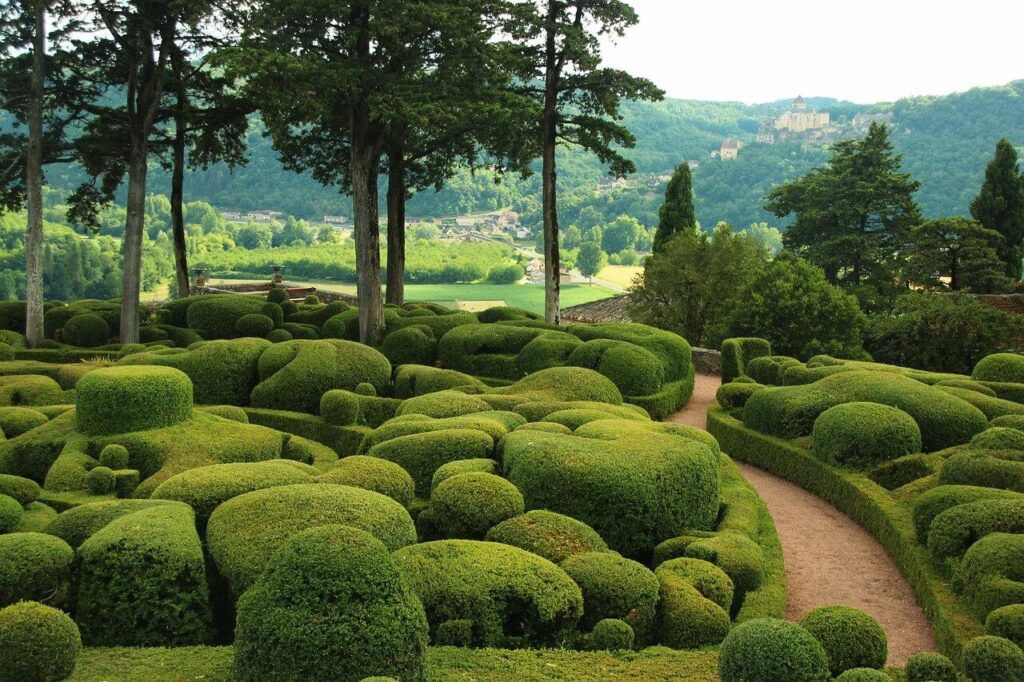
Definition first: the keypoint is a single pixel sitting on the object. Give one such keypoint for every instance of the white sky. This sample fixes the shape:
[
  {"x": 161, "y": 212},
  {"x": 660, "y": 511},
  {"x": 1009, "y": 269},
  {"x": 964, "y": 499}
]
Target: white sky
[{"x": 865, "y": 51}]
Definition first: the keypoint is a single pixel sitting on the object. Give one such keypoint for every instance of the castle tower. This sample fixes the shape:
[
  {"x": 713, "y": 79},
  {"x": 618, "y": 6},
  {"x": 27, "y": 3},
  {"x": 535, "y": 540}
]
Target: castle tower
[{"x": 799, "y": 104}]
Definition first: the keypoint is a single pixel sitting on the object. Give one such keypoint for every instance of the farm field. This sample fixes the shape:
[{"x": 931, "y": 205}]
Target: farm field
[{"x": 622, "y": 275}]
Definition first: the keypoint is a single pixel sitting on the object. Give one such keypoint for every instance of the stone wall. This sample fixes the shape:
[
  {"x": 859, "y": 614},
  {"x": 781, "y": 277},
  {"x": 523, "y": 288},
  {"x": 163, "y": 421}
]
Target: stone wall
[{"x": 707, "y": 361}]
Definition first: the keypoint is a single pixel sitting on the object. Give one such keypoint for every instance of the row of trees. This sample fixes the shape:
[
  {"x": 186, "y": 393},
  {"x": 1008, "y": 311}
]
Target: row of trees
[{"x": 348, "y": 91}]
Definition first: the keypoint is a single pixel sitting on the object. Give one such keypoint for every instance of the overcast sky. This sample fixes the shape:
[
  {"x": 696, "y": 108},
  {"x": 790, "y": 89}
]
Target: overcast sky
[{"x": 865, "y": 51}]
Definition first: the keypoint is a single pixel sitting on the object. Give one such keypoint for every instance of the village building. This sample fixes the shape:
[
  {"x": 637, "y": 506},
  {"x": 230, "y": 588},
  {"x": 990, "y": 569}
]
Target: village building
[{"x": 730, "y": 149}]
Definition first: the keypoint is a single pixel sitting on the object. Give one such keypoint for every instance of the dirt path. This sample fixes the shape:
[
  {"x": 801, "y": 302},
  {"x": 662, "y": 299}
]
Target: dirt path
[{"x": 829, "y": 558}]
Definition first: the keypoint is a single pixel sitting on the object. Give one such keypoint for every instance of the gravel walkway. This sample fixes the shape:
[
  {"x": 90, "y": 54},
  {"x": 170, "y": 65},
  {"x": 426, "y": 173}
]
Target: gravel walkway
[{"x": 829, "y": 558}]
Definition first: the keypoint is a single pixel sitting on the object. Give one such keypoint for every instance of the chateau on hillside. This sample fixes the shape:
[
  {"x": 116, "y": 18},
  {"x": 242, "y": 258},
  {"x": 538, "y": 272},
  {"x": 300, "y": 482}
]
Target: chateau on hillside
[{"x": 799, "y": 121}]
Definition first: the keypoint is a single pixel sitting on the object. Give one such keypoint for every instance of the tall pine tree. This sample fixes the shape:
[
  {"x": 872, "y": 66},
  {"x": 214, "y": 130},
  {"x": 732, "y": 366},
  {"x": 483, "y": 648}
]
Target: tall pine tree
[
  {"x": 1000, "y": 205},
  {"x": 676, "y": 214}
]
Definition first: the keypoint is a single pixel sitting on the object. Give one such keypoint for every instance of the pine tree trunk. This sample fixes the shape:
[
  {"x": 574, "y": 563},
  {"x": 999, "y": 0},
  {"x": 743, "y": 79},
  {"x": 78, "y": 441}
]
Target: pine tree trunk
[
  {"x": 177, "y": 209},
  {"x": 396, "y": 225},
  {"x": 365, "y": 163},
  {"x": 34, "y": 186},
  {"x": 552, "y": 259},
  {"x": 131, "y": 266}
]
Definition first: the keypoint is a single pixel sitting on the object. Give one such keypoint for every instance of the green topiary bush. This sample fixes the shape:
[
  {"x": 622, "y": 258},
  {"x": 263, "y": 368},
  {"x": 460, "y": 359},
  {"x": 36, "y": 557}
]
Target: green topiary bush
[
  {"x": 735, "y": 395},
  {"x": 468, "y": 505},
  {"x": 615, "y": 587},
  {"x": 410, "y": 346},
  {"x": 547, "y": 350},
  {"x": 100, "y": 480},
  {"x": 933, "y": 502},
  {"x": 863, "y": 675},
  {"x": 1002, "y": 367},
  {"x": 510, "y": 597},
  {"x": 736, "y": 353},
  {"x": 217, "y": 316},
  {"x": 86, "y": 331},
  {"x": 930, "y": 667},
  {"x": 443, "y": 404},
  {"x": 125, "y": 399},
  {"x": 954, "y": 530},
  {"x": 771, "y": 650},
  {"x": 34, "y": 566},
  {"x": 29, "y": 390},
  {"x": 244, "y": 532},
  {"x": 255, "y": 325},
  {"x": 340, "y": 408},
  {"x": 462, "y": 466},
  {"x": 24, "y": 490},
  {"x": 37, "y": 642},
  {"x": 330, "y": 606},
  {"x": 851, "y": 638},
  {"x": 279, "y": 336},
  {"x": 988, "y": 468},
  {"x": 274, "y": 312},
  {"x": 1007, "y": 622},
  {"x": 695, "y": 600},
  {"x": 422, "y": 453},
  {"x": 612, "y": 634},
  {"x": 6, "y": 352},
  {"x": 998, "y": 438},
  {"x": 864, "y": 434},
  {"x": 114, "y": 456},
  {"x": 635, "y": 371},
  {"x": 566, "y": 384},
  {"x": 15, "y": 421},
  {"x": 991, "y": 573},
  {"x": 555, "y": 537},
  {"x": 769, "y": 369},
  {"x": 993, "y": 659},
  {"x": 372, "y": 473},
  {"x": 277, "y": 295}
]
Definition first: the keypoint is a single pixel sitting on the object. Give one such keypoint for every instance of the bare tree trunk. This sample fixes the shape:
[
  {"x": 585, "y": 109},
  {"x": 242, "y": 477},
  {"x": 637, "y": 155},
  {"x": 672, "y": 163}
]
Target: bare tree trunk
[
  {"x": 177, "y": 199},
  {"x": 396, "y": 225},
  {"x": 365, "y": 165},
  {"x": 131, "y": 267},
  {"x": 552, "y": 258},
  {"x": 34, "y": 186}
]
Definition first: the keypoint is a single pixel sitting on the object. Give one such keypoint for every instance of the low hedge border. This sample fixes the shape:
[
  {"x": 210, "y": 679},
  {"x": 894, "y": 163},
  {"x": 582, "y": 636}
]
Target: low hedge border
[
  {"x": 344, "y": 440},
  {"x": 868, "y": 504},
  {"x": 62, "y": 355}
]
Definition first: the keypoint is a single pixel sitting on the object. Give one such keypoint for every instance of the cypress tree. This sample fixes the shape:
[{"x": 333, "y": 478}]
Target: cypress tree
[
  {"x": 1000, "y": 205},
  {"x": 676, "y": 214}
]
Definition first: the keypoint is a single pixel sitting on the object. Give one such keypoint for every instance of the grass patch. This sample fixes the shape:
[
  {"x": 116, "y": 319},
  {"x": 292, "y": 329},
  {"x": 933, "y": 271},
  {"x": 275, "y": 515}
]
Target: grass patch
[{"x": 620, "y": 274}]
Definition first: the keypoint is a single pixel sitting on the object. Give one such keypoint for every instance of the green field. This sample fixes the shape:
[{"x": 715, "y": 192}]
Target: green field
[{"x": 527, "y": 296}]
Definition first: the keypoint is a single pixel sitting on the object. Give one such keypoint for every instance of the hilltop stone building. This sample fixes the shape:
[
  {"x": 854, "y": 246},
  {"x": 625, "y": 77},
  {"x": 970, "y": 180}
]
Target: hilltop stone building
[{"x": 800, "y": 120}]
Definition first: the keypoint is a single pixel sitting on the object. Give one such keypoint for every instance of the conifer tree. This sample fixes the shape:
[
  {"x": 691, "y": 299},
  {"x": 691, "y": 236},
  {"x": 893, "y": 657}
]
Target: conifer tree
[
  {"x": 676, "y": 214},
  {"x": 1000, "y": 205}
]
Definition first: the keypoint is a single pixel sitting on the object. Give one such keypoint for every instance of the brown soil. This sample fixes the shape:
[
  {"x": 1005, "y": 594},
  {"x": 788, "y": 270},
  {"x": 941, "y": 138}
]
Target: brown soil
[{"x": 829, "y": 558}]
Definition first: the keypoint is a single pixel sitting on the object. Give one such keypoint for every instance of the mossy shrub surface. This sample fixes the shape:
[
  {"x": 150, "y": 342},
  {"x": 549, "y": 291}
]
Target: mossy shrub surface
[
  {"x": 124, "y": 399},
  {"x": 615, "y": 587},
  {"x": 34, "y": 566},
  {"x": 851, "y": 638},
  {"x": 554, "y": 536},
  {"x": 771, "y": 650},
  {"x": 372, "y": 473},
  {"x": 864, "y": 434},
  {"x": 37, "y": 642}
]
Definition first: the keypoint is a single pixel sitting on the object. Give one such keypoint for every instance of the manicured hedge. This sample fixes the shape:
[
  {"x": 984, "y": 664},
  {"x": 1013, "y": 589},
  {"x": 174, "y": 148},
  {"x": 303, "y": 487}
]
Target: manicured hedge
[
  {"x": 34, "y": 566},
  {"x": 216, "y": 316},
  {"x": 672, "y": 349},
  {"x": 470, "y": 504},
  {"x": 988, "y": 468},
  {"x": 555, "y": 537},
  {"x": 991, "y": 573},
  {"x": 23, "y": 490},
  {"x": 244, "y": 533},
  {"x": 851, "y": 638},
  {"x": 612, "y": 634},
  {"x": 462, "y": 466},
  {"x": 615, "y": 587},
  {"x": 933, "y": 502},
  {"x": 1007, "y": 621},
  {"x": 443, "y": 404},
  {"x": 736, "y": 353},
  {"x": 993, "y": 659},
  {"x": 953, "y": 531},
  {"x": 410, "y": 346},
  {"x": 29, "y": 390},
  {"x": 770, "y": 369},
  {"x": 771, "y": 650},
  {"x": 695, "y": 600},
  {"x": 86, "y": 331},
  {"x": 422, "y": 453},
  {"x": 864, "y": 434},
  {"x": 37, "y": 642},
  {"x": 1002, "y": 367},
  {"x": 372, "y": 473},
  {"x": 142, "y": 581},
  {"x": 486, "y": 350},
  {"x": 255, "y": 325},
  {"x": 634, "y": 370},
  {"x": 998, "y": 438},
  {"x": 546, "y": 350},
  {"x": 930, "y": 667},
  {"x": 125, "y": 399},
  {"x": 990, "y": 407},
  {"x": 330, "y": 606},
  {"x": 506, "y": 597}
]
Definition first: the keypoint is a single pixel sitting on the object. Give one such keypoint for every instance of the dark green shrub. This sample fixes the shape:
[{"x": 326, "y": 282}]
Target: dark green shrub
[
  {"x": 1007, "y": 622},
  {"x": 316, "y": 316},
  {"x": 462, "y": 466},
  {"x": 125, "y": 399},
  {"x": 988, "y": 468},
  {"x": 274, "y": 312},
  {"x": 969, "y": 385},
  {"x": 901, "y": 471},
  {"x": 930, "y": 667},
  {"x": 555, "y": 537},
  {"x": 672, "y": 349},
  {"x": 125, "y": 482},
  {"x": 75, "y": 525},
  {"x": 851, "y": 638},
  {"x": 998, "y": 438},
  {"x": 279, "y": 336},
  {"x": 151, "y": 334},
  {"x": 37, "y": 642},
  {"x": 991, "y": 573},
  {"x": 771, "y": 650},
  {"x": 993, "y": 659},
  {"x": 100, "y": 480},
  {"x": 545, "y": 426},
  {"x": 244, "y": 533},
  {"x": 410, "y": 346},
  {"x": 340, "y": 408},
  {"x": 991, "y": 407},
  {"x": 256, "y": 325},
  {"x": 566, "y": 383},
  {"x": 547, "y": 350},
  {"x": 485, "y": 350},
  {"x": 863, "y": 675},
  {"x": 1012, "y": 421},
  {"x": 611, "y": 634},
  {"x": 86, "y": 331},
  {"x": 694, "y": 607},
  {"x": 372, "y": 473},
  {"x": 511, "y": 597},
  {"x": 15, "y": 421},
  {"x": 573, "y": 419},
  {"x": 217, "y": 316},
  {"x": 441, "y": 323},
  {"x": 365, "y": 389},
  {"x": 468, "y": 505},
  {"x": 634, "y": 370},
  {"x": 303, "y": 332},
  {"x": 956, "y": 529},
  {"x": 414, "y": 380},
  {"x": 330, "y": 606},
  {"x": 29, "y": 390},
  {"x": 863, "y": 434},
  {"x": 736, "y": 353},
  {"x": 231, "y": 412},
  {"x": 142, "y": 581},
  {"x": 505, "y": 313},
  {"x": 422, "y": 453},
  {"x": 933, "y": 502},
  {"x": 615, "y": 587},
  {"x": 24, "y": 490},
  {"x": 735, "y": 395},
  {"x": 6, "y": 352},
  {"x": 114, "y": 456},
  {"x": 277, "y": 295},
  {"x": 344, "y": 325},
  {"x": 738, "y": 556},
  {"x": 1001, "y": 367},
  {"x": 34, "y": 566},
  {"x": 768, "y": 369}
]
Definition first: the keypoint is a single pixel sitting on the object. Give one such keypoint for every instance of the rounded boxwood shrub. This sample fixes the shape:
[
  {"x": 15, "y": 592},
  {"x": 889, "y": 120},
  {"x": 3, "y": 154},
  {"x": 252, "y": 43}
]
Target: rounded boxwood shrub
[
  {"x": 611, "y": 634},
  {"x": 933, "y": 502},
  {"x": 256, "y": 325},
  {"x": 37, "y": 642},
  {"x": 100, "y": 480},
  {"x": 1003, "y": 469},
  {"x": 10, "y": 514},
  {"x": 615, "y": 587},
  {"x": 131, "y": 398},
  {"x": 422, "y": 453},
  {"x": 24, "y": 490},
  {"x": 864, "y": 434},
  {"x": 340, "y": 408},
  {"x": 1012, "y": 421},
  {"x": 1002, "y": 367},
  {"x": 462, "y": 466},
  {"x": 555, "y": 537},
  {"x": 863, "y": 675},
  {"x": 34, "y": 566},
  {"x": 470, "y": 504},
  {"x": 851, "y": 638},
  {"x": 735, "y": 395},
  {"x": 993, "y": 659},
  {"x": 998, "y": 438},
  {"x": 954, "y": 530},
  {"x": 634, "y": 370},
  {"x": 277, "y": 295},
  {"x": 365, "y": 389},
  {"x": 330, "y": 606},
  {"x": 1007, "y": 622},
  {"x": 410, "y": 346},
  {"x": 279, "y": 336},
  {"x": 216, "y": 316},
  {"x": 244, "y": 533},
  {"x": 372, "y": 473},
  {"x": 114, "y": 456},
  {"x": 15, "y": 421},
  {"x": 990, "y": 573},
  {"x": 929, "y": 666},
  {"x": 547, "y": 350},
  {"x": 509, "y": 596},
  {"x": 6, "y": 352},
  {"x": 274, "y": 312},
  {"x": 443, "y": 404},
  {"x": 771, "y": 650},
  {"x": 695, "y": 600},
  {"x": 545, "y": 426},
  {"x": 87, "y": 331}
]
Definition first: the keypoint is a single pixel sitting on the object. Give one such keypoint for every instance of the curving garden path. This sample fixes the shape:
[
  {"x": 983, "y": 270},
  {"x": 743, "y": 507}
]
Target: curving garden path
[{"x": 829, "y": 558}]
